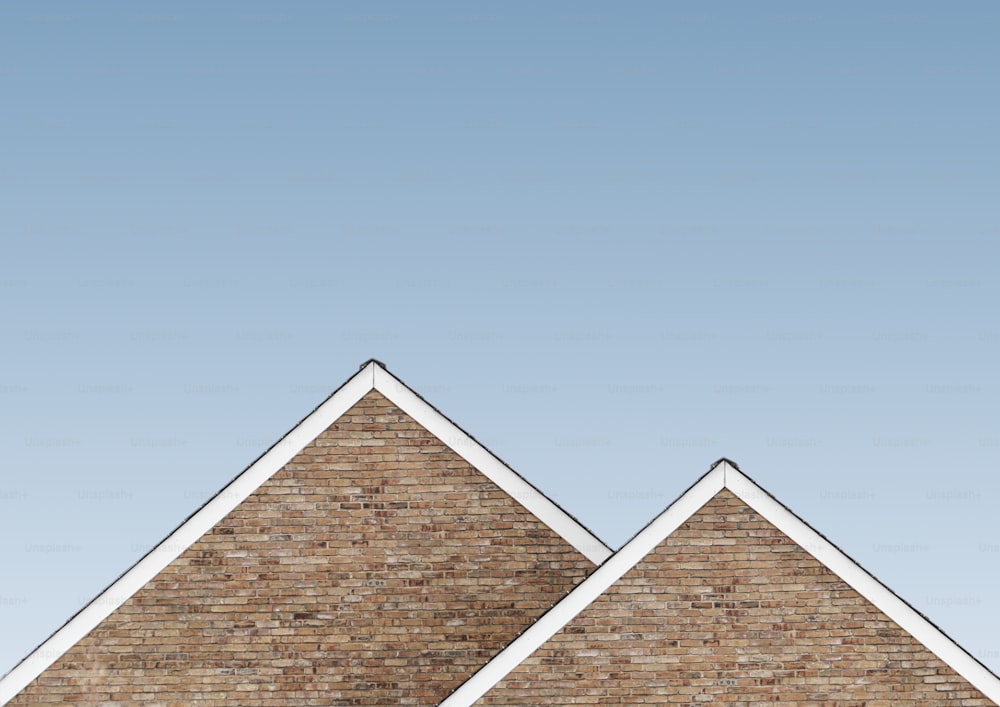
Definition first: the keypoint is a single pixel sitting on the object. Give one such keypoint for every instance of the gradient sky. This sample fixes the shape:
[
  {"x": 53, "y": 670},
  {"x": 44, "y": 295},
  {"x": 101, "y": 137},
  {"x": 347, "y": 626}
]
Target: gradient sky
[{"x": 614, "y": 243}]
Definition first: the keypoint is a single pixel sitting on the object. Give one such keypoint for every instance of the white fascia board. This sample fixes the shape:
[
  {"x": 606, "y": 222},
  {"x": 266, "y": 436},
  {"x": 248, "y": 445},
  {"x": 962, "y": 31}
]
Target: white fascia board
[
  {"x": 465, "y": 446},
  {"x": 723, "y": 475},
  {"x": 587, "y": 591},
  {"x": 187, "y": 533},
  {"x": 371, "y": 375},
  {"x": 908, "y": 618}
]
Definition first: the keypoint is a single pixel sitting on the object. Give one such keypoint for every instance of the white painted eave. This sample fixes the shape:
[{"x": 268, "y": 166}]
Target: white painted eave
[
  {"x": 372, "y": 375},
  {"x": 587, "y": 591},
  {"x": 884, "y": 599},
  {"x": 491, "y": 466},
  {"x": 724, "y": 475}
]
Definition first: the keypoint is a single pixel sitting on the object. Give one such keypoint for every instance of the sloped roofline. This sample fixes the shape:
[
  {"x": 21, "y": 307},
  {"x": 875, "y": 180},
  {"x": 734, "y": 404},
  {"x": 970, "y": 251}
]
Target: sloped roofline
[
  {"x": 372, "y": 376},
  {"x": 724, "y": 475}
]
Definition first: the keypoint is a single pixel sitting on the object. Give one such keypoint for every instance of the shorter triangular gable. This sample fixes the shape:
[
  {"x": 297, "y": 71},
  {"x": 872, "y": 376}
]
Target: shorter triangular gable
[
  {"x": 723, "y": 480},
  {"x": 372, "y": 377}
]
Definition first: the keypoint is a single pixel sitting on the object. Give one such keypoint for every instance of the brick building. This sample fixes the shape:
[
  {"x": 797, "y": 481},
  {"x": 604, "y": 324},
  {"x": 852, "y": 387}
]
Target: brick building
[{"x": 378, "y": 555}]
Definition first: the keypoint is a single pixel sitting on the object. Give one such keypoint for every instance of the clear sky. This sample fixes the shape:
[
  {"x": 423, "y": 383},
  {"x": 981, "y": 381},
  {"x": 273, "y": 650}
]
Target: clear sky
[{"x": 612, "y": 241}]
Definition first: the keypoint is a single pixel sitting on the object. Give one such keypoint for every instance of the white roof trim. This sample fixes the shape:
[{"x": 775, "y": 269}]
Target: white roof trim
[
  {"x": 884, "y": 599},
  {"x": 371, "y": 376},
  {"x": 502, "y": 475},
  {"x": 724, "y": 475},
  {"x": 585, "y": 592}
]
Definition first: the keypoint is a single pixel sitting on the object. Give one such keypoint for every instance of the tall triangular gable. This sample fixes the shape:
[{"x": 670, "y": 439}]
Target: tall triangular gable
[
  {"x": 372, "y": 377},
  {"x": 723, "y": 476}
]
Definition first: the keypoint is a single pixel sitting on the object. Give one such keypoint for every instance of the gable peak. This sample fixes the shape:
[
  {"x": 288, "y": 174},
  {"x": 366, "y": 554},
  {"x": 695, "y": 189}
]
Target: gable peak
[{"x": 724, "y": 460}]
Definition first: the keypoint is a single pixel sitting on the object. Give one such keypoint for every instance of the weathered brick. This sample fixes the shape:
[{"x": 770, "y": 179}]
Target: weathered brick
[
  {"x": 683, "y": 628},
  {"x": 377, "y": 567}
]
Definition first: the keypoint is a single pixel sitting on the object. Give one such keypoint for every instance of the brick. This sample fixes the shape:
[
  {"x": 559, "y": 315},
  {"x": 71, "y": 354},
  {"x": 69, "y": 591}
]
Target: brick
[
  {"x": 664, "y": 633},
  {"x": 367, "y": 571}
]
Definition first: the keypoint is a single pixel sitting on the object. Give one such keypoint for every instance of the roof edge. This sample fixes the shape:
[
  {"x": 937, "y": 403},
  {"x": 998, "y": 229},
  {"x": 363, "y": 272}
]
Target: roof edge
[
  {"x": 588, "y": 590},
  {"x": 184, "y": 535},
  {"x": 372, "y": 375},
  {"x": 494, "y": 468},
  {"x": 865, "y": 583},
  {"x": 725, "y": 474}
]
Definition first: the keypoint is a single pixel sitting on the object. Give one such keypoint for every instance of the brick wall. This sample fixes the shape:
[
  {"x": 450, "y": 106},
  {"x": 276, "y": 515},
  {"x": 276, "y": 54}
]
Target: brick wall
[
  {"x": 376, "y": 568},
  {"x": 729, "y": 610}
]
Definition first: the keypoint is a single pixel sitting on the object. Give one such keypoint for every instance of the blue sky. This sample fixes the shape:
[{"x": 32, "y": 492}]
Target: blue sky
[{"x": 613, "y": 243}]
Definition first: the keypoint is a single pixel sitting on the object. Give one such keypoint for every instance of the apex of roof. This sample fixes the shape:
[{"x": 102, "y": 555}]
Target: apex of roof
[
  {"x": 723, "y": 474},
  {"x": 372, "y": 375},
  {"x": 723, "y": 460}
]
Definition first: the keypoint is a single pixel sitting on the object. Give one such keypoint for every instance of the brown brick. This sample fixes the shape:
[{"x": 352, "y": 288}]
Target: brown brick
[
  {"x": 683, "y": 628},
  {"x": 377, "y": 567}
]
